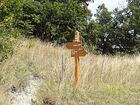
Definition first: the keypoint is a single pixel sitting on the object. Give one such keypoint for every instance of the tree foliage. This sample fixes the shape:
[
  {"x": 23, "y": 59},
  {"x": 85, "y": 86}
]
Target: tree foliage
[
  {"x": 57, "y": 20},
  {"x": 117, "y": 31},
  {"x": 134, "y": 6},
  {"x": 51, "y": 20}
]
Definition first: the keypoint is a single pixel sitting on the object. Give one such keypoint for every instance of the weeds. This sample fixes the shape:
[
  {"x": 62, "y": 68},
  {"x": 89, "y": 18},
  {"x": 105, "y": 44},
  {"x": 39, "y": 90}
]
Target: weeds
[{"x": 105, "y": 80}]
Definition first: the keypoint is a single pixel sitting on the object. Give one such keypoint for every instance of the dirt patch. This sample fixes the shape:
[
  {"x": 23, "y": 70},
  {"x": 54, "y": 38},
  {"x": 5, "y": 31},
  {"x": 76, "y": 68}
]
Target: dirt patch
[{"x": 26, "y": 96}]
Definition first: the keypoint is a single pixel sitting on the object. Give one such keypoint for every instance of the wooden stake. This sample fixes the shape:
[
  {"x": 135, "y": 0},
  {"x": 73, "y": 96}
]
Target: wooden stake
[
  {"x": 63, "y": 70},
  {"x": 77, "y": 62},
  {"x": 77, "y": 70}
]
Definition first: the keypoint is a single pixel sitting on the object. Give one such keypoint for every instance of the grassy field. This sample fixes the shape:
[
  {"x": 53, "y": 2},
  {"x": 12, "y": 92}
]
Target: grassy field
[{"x": 105, "y": 80}]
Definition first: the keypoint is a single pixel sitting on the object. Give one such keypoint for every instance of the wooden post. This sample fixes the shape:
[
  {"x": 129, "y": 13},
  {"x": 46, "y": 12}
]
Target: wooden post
[
  {"x": 77, "y": 70},
  {"x": 77, "y": 36},
  {"x": 77, "y": 62},
  {"x": 63, "y": 70}
]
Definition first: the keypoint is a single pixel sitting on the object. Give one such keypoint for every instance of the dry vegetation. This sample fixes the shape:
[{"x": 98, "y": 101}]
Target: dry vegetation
[{"x": 105, "y": 80}]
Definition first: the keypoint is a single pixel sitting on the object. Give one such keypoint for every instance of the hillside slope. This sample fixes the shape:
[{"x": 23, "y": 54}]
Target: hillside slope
[{"x": 105, "y": 80}]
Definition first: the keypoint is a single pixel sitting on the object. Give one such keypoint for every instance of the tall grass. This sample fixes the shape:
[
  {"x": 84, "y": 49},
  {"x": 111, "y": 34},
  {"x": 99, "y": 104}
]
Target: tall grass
[{"x": 105, "y": 80}]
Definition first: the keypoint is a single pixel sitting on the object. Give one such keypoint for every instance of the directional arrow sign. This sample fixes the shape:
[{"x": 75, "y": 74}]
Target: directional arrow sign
[
  {"x": 74, "y": 45},
  {"x": 79, "y": 52},
  {"x": 82, "y": 52}
]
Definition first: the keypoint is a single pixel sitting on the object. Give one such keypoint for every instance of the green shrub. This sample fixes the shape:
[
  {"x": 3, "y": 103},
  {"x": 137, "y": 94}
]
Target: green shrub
[
  {"x": 50, "y": 20},
  {"x": 7, "y": 41}
]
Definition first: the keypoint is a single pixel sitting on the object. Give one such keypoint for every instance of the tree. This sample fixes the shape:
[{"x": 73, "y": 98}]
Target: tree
[
  {"x": 50, "y": 20},
  {"x": 103, "y": 19},
  {"x": 134, "y": 6},
  {"x": 119, "y": 32},
  {"x": 123, "y": 41},
  {"x": 103, "y": 16}
]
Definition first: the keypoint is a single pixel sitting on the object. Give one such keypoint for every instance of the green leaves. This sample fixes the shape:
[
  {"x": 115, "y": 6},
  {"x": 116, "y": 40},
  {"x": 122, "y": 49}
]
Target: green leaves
[
  {"x": 57, "y": 21},
  {"x": 116, "y": 33},
  {"x": 103, "y": 16},
  {"x": 134, "y": 6},
  {"x": 8, "y": 38},
  {"x": 49, "y": 20}
]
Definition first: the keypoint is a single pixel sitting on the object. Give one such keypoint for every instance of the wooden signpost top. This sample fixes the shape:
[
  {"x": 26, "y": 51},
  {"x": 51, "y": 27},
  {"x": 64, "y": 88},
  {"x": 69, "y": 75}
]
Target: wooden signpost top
[
  {"x": 77, "y": 36},
  {"x": 76, "y": 46}
]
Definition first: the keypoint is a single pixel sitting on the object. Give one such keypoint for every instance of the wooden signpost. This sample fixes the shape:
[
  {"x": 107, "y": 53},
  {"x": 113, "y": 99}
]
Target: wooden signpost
[{"x": 77, "y": 52}]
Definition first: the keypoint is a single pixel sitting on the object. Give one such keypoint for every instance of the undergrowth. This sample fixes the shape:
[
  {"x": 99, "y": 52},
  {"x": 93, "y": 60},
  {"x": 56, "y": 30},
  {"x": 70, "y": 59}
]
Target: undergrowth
[{"x": 105, "y": 80}]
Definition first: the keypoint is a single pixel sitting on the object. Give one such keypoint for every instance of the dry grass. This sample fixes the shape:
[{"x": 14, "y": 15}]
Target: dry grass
[{"x": 105, "y": 80}]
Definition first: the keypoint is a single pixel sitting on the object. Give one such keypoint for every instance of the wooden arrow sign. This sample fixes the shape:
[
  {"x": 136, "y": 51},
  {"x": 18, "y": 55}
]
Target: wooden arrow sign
[
  {"x": 74, "y": 45},
  {"x": 79, "y": 52}
]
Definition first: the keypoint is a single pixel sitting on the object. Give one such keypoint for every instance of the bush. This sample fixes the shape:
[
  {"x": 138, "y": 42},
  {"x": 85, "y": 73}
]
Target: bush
[
  {"x": 54, "y": 21},
  {"x": 8, "y": 39}
]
